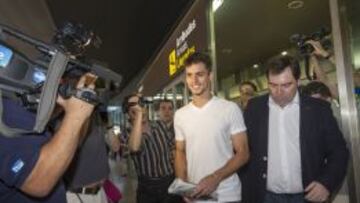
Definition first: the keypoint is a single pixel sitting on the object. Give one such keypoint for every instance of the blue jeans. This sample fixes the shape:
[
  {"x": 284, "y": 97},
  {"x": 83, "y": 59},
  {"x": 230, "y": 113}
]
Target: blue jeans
[{"x": 271, "y": 197}]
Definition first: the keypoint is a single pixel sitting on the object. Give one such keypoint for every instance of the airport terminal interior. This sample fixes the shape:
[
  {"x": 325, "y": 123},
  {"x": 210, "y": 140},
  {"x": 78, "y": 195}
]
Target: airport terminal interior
[{"x": 140, "y": 48}]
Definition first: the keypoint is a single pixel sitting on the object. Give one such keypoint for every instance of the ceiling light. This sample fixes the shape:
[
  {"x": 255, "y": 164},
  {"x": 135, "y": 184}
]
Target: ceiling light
[
  {"x": 296, "y": 4},
  {"x": 216, "y": 4},
  {"x": 284, "y": 53}
]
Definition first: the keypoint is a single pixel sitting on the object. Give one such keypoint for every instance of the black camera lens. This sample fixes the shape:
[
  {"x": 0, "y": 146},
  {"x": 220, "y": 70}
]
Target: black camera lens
[
  {"x": 130, "y": 104},
  {"x": 307, "y": 48}
]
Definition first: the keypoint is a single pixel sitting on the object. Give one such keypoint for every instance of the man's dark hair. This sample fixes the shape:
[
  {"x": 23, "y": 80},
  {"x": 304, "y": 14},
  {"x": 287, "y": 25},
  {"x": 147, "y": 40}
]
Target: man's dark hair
[
  {"x": 199, "y": 57},
  {"x": 278, "y": 64},
  {"x": 125, "y": 104},
  {"x": 250, "y": 84},
  {"x": 163, "y": 101},
  {"x": 166, "y": 101},
  {"x": 316, "y": 87}
]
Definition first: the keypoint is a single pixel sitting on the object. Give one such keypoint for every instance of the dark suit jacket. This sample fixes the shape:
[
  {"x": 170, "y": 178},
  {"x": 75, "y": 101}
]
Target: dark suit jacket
[{"x": 324, "y": 154}]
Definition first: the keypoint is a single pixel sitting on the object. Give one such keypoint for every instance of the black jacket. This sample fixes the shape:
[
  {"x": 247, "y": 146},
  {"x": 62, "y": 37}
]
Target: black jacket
[{"x": 324, "y": 155}]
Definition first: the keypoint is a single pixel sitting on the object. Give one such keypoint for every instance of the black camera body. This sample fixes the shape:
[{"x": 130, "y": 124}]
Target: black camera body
[
  {"x": 74, "y": 38},
  {"x": 306, "y": 49},
  {"x": 142, "y": 102},
  {"x": 26, "y": 77},
  {"x": 37, "y": 82}
]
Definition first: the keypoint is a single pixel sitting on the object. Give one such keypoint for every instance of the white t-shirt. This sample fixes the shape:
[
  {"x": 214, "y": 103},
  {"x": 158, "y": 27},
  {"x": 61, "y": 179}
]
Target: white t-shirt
[{"x": 207, "y": 134}]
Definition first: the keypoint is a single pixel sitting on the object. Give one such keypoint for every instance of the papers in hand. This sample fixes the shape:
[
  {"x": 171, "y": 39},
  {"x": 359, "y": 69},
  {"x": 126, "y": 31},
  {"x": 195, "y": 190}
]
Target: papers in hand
[{"x": 182, "y": 188}]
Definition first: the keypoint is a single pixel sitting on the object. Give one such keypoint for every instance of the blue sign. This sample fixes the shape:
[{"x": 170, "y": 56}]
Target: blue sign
[
  {"x": 357, "y": 90},
  {"x": 5, "y": 56}
]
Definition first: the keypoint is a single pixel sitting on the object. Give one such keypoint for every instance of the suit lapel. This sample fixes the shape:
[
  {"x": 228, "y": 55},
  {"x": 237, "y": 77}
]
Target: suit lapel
[
  {"x": 304, "y": 119},
  {"x": 264, "y": 123},
  {"x": 305, "y": 122}
]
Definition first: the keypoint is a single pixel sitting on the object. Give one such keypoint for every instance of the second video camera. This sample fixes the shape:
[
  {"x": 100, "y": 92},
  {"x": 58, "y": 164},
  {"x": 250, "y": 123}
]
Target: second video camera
[{"x": 321, "y": 35}]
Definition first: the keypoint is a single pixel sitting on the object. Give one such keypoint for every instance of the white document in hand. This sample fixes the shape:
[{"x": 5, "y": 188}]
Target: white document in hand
[{"x": 182, "y": 188}]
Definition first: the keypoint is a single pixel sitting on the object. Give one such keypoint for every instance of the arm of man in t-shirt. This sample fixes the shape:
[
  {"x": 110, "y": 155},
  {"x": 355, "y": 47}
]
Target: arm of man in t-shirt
[
  {"x": 180, "y": 160},
  {"x": 56, "y": 155},
  {"x": 208, "y": 184}
]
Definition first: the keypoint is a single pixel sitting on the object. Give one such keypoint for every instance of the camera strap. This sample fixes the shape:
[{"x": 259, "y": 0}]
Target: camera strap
[{"x": 50, "y": 89}]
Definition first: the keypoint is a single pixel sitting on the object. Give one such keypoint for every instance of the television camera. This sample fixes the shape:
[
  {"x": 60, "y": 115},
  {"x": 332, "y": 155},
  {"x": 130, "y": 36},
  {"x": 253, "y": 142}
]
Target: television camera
[
  {"x": 322, "y": 35},
  {"x": 306, "y": 49},
  {"x": 37, "y": 82}
]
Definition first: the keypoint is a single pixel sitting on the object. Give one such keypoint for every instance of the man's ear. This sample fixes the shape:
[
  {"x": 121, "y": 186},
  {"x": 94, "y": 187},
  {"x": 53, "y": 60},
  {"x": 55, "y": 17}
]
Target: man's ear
[{"x": 211, "y": 75}]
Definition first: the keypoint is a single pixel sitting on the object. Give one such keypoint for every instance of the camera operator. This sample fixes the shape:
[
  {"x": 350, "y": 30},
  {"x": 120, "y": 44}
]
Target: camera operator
[
  {"x": 318, "y": 56},
  {"x": 152, "y": 148},
  {"x": 32, "y": 165},
  {"x": 319, "y": 53}
]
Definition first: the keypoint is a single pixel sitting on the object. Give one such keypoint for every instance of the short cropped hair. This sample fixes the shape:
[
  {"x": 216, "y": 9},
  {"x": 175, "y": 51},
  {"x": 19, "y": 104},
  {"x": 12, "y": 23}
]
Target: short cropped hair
[
  {"x": 250, "y": 84},
  {"x": 316, "y": 87},
  {"x": 199, "y": 57},
  {"x": 163, "y": 101},
  {"x": 278, "y": 64}
]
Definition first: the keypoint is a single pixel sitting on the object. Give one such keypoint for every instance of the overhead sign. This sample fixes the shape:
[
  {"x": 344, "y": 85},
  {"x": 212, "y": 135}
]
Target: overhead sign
[
  {"x": 178, "y": 55},
  {"x": 189, "y": 36}
]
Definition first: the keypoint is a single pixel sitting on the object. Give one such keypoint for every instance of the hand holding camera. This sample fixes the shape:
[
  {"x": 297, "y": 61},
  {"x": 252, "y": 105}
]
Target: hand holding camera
[
  {"x": 76, "y": 106},
  {"x": 318, "y": 49},
  {"x": 135, "y": 107}
]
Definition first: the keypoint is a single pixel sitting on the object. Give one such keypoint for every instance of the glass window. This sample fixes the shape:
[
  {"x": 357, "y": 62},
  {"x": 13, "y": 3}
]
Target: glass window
[
  {"x": 352, "y": 13},
  {"x": 179, "y": 95}
]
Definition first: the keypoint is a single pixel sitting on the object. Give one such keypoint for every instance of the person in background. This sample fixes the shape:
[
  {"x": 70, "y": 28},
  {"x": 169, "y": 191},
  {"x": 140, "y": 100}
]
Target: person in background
[
  {"x": 247, "y": 91},
  {"x": 166, "y": 112},
  {"x": 319, "y": 90},
  {"x": 151, "y": 146},
  {"x": 320, "y": 54}
]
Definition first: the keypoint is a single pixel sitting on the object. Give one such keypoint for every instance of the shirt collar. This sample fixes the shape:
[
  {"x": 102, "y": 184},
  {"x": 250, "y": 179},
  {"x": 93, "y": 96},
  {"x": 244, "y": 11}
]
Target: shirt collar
[{"x": 295, "y": 100}]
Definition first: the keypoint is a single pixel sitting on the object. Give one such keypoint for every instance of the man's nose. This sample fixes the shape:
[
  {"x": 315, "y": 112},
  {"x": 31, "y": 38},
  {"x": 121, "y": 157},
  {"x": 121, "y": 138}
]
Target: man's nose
[
  {"x": 279, "y": 90},
  {"x": 195, "y": 79}
]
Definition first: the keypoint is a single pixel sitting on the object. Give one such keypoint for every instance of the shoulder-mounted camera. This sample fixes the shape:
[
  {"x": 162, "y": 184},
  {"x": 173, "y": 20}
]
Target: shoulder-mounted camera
[{"x": 322, "y": 35}]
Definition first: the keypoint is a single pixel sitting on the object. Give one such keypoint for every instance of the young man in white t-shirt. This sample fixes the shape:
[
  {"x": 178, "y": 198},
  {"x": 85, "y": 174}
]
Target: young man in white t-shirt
[{"x": 211, "y": 140}]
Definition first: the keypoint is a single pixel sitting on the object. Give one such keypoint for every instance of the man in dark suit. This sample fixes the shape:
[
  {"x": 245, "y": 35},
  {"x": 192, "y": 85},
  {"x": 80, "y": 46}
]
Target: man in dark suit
[{"x": 298, "y": 153}]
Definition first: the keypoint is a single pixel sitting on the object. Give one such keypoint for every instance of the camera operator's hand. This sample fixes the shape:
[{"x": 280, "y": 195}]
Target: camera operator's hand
[
  {"x": 77, "y": 107},
  {"x": 136, "y": 110},
  {"x": 138, "y": 122},
  {"x": 318, "y": 48}
]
